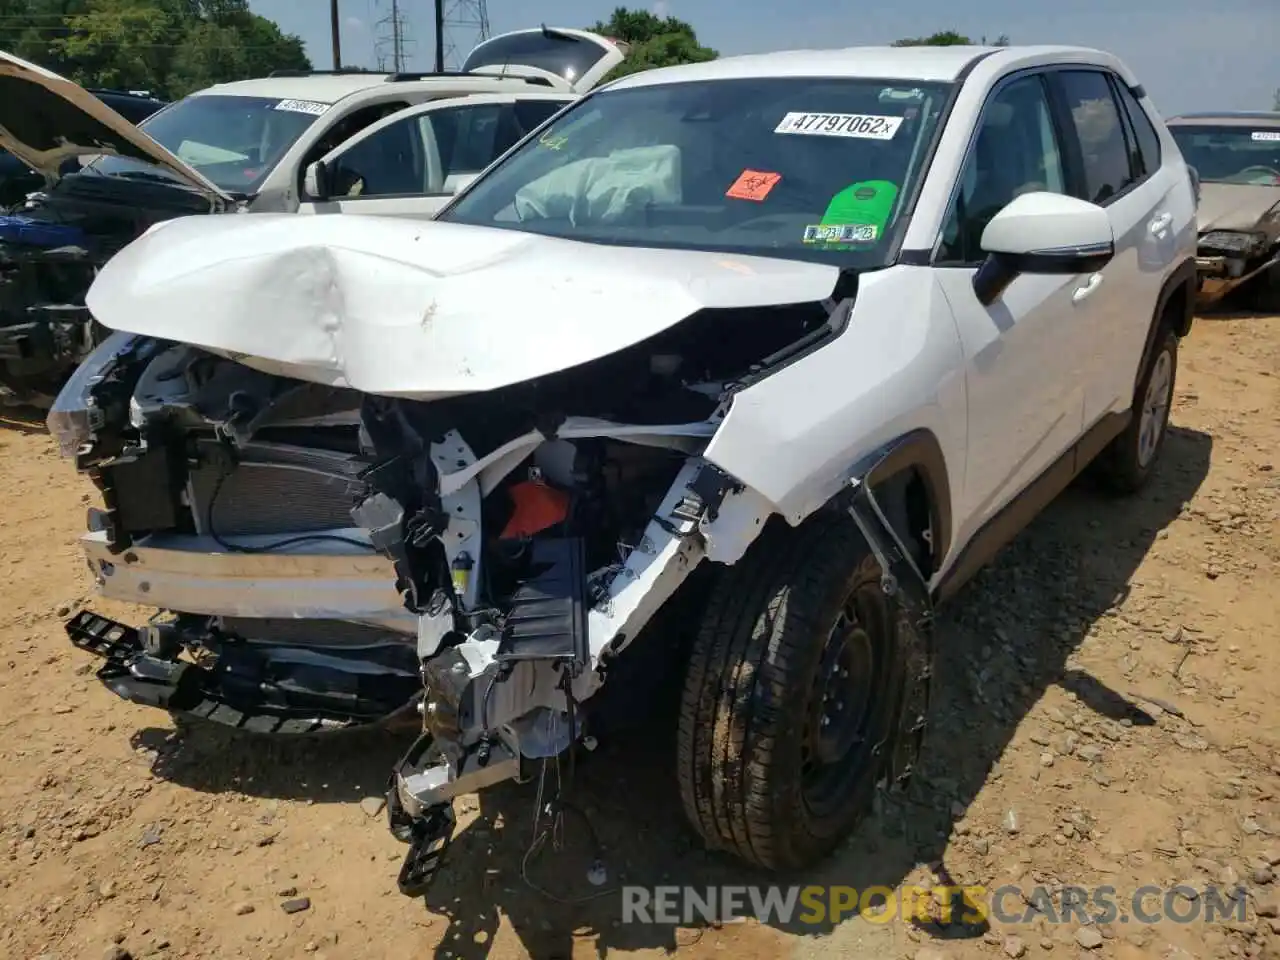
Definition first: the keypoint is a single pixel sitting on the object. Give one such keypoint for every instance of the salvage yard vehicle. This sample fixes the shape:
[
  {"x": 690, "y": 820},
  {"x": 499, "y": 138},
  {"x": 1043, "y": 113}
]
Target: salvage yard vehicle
[
  {"x": 250, "y": 146},
  {"x": 734, "y": 369},
  {"x": 17, "y": 179},
  {"x": 1237, "y": 159}
]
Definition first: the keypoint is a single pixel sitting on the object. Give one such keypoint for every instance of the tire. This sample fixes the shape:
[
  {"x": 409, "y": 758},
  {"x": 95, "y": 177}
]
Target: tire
[
  {"x": 1267, "y": 291},
  {"x": 747, "y": 751},
  {"x": 1127, "y": 463}
]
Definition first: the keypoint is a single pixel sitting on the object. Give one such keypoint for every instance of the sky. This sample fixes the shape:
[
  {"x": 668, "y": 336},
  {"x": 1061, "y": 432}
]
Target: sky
[{"x": 1190, "y": 54}]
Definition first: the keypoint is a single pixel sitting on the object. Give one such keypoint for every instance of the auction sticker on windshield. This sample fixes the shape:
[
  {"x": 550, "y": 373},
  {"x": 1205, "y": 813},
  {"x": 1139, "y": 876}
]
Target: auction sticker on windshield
[
  {"x": 1266, "y": 135},
  {"x": 841, "y": 233},
  {"x": 312, "y": 107},
  {"x": 860, "y": 125}
]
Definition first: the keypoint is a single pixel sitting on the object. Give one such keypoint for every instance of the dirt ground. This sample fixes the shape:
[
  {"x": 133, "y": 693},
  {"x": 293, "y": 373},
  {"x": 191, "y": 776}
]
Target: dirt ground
[{"x": 1045, "y": 766}]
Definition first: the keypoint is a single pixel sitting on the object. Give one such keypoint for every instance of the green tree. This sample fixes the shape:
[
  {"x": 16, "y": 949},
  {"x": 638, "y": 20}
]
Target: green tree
[
  {"x": 654, "y": 41},
  {"x": 950, "y": 38},
  {"x": 169, "y": 47}
]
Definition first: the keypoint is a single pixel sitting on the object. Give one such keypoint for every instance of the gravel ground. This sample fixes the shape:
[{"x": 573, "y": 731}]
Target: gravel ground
[{"x": 1105, "y": 714}]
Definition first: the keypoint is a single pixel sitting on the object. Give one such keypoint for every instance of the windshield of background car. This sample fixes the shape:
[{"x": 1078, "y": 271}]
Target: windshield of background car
[
  {"x": 234, "y": 141},
  {"x": 1231, "y": 154},
  {"x": 802, "y": 168}
]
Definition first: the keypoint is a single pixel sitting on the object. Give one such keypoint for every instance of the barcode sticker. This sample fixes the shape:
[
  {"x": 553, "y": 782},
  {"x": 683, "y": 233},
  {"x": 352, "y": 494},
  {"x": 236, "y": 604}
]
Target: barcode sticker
[
  {"x": 313, "y": 107},
  {"x": 860, "y": 125}
]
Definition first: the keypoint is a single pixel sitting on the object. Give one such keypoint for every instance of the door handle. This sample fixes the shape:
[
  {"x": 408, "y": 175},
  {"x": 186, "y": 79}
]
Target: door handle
[
  {"x": 1160, "y": 224},
  {"x": 1082, "y": 293}
]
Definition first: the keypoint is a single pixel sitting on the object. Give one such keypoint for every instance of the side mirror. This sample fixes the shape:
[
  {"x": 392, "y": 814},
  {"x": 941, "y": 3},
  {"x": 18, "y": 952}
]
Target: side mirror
[
  {"x": 315, "y": 182},
  {"x": 1195, "y": 182},
  {"x": 1044, "y": 233}
]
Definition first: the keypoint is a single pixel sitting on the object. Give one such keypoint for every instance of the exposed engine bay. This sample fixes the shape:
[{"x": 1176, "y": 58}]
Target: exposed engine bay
[{"x": 323, "y": 558}]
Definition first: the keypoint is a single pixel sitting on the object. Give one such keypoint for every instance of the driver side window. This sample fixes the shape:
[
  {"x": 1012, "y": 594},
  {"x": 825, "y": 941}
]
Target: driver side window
[
  {"x": 1016, "y": 151},
  {"x": 386, "y": 164}
]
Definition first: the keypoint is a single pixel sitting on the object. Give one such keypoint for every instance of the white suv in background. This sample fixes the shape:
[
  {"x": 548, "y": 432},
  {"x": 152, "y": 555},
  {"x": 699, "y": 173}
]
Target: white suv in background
[{"x": 247, "y": 144}]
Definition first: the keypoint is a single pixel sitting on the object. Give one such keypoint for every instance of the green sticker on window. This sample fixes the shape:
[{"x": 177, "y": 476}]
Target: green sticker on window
[{"x": 868, "y": 203}]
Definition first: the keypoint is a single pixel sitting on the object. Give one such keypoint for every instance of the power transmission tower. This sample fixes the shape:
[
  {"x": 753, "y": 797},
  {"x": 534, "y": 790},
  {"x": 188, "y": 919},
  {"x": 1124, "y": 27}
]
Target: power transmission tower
[
  {"x": 465, "y": 24},
  {"x": 393, "y": 43}
]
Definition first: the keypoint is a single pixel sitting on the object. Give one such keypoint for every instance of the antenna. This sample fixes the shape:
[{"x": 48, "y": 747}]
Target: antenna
[
  {"x": 465, "y": 24},
  {"x": 393, "y": 42}
]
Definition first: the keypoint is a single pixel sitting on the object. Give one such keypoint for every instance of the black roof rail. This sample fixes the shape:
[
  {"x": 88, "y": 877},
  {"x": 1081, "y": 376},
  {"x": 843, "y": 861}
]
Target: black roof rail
[
  {"x": 344, "y": 72},
  {"x": 470, "y": 75},
  {"x": 406, "y": 75},
  {"x": 133, "y": 94},
  {"x": 1230, "y": 114}
]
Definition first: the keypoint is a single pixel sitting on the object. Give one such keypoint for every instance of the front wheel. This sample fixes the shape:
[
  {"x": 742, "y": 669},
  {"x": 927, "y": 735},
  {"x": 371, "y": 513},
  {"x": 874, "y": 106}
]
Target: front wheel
[{"x": 800, "y": 686}]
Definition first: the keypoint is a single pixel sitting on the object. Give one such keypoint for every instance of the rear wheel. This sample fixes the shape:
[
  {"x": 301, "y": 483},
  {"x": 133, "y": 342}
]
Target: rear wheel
[
  {"x": 800, "y": 684},
  {"x": 1128, "y": 461}
]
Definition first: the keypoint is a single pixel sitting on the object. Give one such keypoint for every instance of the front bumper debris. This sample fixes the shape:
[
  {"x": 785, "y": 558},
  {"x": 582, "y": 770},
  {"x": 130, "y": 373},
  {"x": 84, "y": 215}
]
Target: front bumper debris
[
  {"x": 253, "y": 688},
  {"x": 428, "y": 836}
]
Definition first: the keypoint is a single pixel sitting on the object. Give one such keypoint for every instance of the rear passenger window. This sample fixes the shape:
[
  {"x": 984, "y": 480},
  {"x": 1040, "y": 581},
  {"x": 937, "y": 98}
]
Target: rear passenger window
[
  {"x": 1096, "y": 119},
  {"x": 1148, "y": 146}
]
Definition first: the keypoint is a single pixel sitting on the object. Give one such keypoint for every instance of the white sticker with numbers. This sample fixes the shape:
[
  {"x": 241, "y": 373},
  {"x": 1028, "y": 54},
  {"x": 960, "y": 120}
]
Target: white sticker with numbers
[
  {"x": 863, "y": 126},
  {"x": 1267, "y": 135},
  {"x": 313, "y": 107}
]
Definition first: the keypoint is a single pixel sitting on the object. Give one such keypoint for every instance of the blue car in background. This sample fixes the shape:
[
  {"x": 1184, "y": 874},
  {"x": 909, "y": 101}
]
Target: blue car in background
[{"x": 56, "y": 228}]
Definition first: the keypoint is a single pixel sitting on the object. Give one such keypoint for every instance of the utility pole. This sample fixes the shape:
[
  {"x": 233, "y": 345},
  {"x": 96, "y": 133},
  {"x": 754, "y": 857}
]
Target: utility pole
[
  {"x": 439, "y": 36},
  {"x": 393, "y": 40},
  {"x": 333, "y": 32},
  {"x": 460, "y": 26}
]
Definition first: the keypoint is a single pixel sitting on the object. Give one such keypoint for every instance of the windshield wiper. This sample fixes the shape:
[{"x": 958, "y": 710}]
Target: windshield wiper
[{"x": 146, "y": 175}]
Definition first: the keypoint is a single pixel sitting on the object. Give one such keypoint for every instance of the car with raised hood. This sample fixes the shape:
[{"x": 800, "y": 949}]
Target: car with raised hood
[
  {"x": 17, "y": 180},
  {"x": 1236, "y": 156},
  {"x": 391, "y": 144},
  {"x": 731, "y": 370}
]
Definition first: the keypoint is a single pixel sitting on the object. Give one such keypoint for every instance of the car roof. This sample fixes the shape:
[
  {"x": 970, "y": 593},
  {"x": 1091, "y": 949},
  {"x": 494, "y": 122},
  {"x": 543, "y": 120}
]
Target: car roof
[
  {"x": 330, "y": 88},
  {"x": 1228, "y": 118},
  {"x": 923, "y": 63}
]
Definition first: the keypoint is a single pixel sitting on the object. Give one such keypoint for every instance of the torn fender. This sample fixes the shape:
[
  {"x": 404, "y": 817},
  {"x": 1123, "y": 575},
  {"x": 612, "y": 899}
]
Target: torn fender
[{"x": 419, "y": 310}]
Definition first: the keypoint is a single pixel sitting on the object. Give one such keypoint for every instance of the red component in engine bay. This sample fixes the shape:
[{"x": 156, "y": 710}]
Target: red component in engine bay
[{"x": 537, "y": 507}]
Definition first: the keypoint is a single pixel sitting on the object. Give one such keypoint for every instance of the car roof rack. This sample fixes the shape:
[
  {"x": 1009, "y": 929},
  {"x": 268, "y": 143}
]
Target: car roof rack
[
  {"x": 135, "y": 94},
  {"x": 1235, "y": 114},
  {"x": 407, "y": 76},
  {"x": 344, "y": 72},
  {"x": 468, "y": 74}
]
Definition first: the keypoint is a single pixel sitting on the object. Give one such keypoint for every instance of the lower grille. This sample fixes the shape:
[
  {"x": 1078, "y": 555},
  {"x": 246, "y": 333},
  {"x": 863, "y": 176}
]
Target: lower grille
[
  {"x": 320, "y": 633},
  {"x": 277, "y": 489}
]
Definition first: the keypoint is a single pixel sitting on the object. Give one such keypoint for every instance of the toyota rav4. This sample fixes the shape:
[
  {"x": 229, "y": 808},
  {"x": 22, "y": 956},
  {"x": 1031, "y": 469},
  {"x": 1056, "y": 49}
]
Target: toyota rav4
[{"x": 735, "y": 368}]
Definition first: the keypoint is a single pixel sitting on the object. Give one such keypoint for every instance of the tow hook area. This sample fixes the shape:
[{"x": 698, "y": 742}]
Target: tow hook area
[
  {"x": 420, "y": 799},
  {"x": 903, "y": 581},
  {"x": 428, "y": 835}
]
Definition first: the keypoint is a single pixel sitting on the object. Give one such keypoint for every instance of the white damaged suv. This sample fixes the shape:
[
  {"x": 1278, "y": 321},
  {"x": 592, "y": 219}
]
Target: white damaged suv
[{"x": 734, "y": 369}]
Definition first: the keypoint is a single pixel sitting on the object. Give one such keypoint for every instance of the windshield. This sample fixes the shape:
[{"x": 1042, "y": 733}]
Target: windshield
[
  {"x": 808, "y": 169},
  {"x": 1231, "y": 154},
  {"x": 234, "y": 141}
]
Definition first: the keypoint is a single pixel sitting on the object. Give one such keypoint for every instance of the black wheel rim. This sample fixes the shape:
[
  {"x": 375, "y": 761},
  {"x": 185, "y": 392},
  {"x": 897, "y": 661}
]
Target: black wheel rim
[{"x": 848, "y": 702}]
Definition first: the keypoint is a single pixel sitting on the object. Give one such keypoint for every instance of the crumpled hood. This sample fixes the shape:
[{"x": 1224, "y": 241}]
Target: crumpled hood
[
  {"x": 1234, "y": 206},
  {"x": 417, "y": 309}
]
